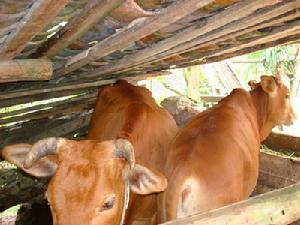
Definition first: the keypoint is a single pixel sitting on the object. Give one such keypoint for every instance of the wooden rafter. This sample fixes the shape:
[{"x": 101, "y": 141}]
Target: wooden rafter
[
  {"x": 38, "y": 17},
  {"x": 290, "y": 29},
  {"x": 25, "y": 69},
  {"x": 235, "y": 29},
  {"x": 219, "y": 36},
  {"x": 44, "y": 105},
  {"x": 233, "y": 13},
  {"x": 290, "y": 39},
  {"x": 56, "y": 89},
  {"x": 71, "y": 86},
  {"x": 265, "y": 18},
  {"x": 94, "y": 11},
  {"x": 134, "y": 32}
]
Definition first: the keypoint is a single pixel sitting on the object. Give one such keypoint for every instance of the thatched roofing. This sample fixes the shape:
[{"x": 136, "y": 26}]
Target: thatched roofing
[{"x": 93, "y": 42}]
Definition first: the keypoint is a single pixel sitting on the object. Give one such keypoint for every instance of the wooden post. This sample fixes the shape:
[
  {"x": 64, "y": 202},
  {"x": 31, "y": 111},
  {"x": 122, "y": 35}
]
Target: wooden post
[
  {"x": 277, "y": 207},
  {"x": 25, "y": 69},
  {"x": 193, "y": 83}
]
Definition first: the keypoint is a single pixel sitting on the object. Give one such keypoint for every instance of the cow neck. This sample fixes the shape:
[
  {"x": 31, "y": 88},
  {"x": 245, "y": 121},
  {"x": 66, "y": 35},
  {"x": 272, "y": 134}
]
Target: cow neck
[{"x": 261, "y": 103}]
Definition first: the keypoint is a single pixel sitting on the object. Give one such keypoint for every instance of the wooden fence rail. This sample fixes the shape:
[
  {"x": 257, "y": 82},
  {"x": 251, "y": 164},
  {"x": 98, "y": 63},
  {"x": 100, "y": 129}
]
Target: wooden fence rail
[{"x": 278, "y": 207}]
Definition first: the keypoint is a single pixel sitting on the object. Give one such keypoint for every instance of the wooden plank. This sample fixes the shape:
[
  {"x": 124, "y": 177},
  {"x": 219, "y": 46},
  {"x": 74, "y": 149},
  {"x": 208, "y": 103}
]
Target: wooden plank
[
  {"x": 68, "y": 87},
  {"x": 292, "y": 28},
  {"x": 232, "y": 30},
  {"x": 38, "y": 17},
  {"x": 44, "y": 105},
  {"x": 258, "y": 20},
  {"x": 280, "y": 141},
  {"x": 25, "y": 69},
  {"x": 134, "y": 32},
  {"x": 33, "y": 131},
  {"x": 56, "y": 89},
  {"x": 282, "y": 41},
  {"x": 60, "y": 110},
  {"x": 235, "y": 12},
  {"x": 276, "y": 171},
  {"x": 44, "y": 96},
  {"x": 214, "y": 38},
  {"x": 211, "y": 98},
  {"x": 93, "y": 13},
  {"x": 278, "y": 207}
]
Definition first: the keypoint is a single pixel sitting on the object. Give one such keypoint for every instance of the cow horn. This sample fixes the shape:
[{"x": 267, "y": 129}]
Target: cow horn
[
  {"x": 124, "y": 149},
  {"x": 47, "y": 146}
]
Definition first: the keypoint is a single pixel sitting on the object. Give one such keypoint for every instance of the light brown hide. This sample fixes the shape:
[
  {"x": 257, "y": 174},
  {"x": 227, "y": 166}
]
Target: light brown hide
[
  {"x": 214, "y": 158},
  {"x": 130, "y": 112}
]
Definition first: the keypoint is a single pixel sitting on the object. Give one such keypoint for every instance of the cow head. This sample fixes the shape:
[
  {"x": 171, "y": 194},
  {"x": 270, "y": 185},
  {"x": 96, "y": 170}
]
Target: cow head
[
  {"x": 90, "y": 181},
  {"x": 272, "y": 99}
]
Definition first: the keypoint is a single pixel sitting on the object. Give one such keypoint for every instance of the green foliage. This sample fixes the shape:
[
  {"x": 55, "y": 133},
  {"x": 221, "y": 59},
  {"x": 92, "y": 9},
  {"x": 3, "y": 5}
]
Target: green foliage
[
  {"x": 266, "y": 62},
  {"x": 246, "y": 67}
]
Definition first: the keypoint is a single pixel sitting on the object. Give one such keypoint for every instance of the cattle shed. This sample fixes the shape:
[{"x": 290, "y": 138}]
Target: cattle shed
[{"x": 66, "y": 50}]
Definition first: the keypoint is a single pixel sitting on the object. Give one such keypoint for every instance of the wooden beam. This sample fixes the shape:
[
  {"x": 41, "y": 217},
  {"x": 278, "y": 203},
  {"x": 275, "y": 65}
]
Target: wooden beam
[
  {"x": 44, "y": 96},
  {"x": 60, "y": 110},
  {"x": 38, "y": 17},
  {"x": 33, "y": 131},
  {"x": 282, "y": 41},
  {"x": 134, "y": 32},
  {"x": 277, "y": 170},
  {"x": 287, "y": 30},
  {"x": 280, "y": 141},
  {"x": 43, "y": 105},
  {"x": 94, "y": 11},
  {"x": 258, "y": 20},
  {"x": 218, "y": 36},
  {"x": 277, "y": 207},
  {"x": 69, "y": 87},
  {"x": 233, "y": 13},
  {"x": 25, "y": 69},
  {"x": 56, "y": 88}
]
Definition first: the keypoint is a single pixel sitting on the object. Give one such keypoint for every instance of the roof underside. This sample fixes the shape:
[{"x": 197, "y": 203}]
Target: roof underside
[{"x": 93, "y": 42}]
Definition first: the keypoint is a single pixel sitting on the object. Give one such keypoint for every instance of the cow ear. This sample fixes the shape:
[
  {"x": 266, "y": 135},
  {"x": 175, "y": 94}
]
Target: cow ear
[
  {"x": 268, "y": 84},
  {"x": 252, "y": 84},
  {"x": 16, "y": 154},
  {"x": 144, "y": 180}
]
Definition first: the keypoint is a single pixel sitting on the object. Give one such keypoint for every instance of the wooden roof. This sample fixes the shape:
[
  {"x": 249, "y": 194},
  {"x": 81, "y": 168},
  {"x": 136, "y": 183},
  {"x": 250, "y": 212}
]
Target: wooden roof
[{"x": 90, "y": 43}]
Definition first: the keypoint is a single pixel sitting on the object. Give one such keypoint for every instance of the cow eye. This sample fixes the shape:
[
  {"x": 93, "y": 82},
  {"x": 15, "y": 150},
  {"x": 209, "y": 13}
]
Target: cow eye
[
  {"x": 287, "y": 96},
  {"x": 108, "y": 204}
]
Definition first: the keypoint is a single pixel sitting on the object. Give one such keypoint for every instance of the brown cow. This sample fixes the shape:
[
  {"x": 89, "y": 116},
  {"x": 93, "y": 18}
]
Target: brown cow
[
  {"x": 149, "y": 127},
  {"x": 92, "y": 178},
  {"x": 214, "y": 159}
]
